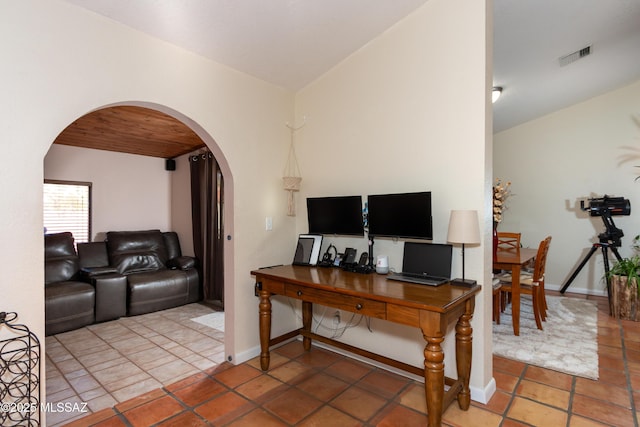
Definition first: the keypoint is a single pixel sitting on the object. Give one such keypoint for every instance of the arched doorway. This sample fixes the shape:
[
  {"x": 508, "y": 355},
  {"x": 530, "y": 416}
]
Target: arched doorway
[{"x": 180, "y": 125}]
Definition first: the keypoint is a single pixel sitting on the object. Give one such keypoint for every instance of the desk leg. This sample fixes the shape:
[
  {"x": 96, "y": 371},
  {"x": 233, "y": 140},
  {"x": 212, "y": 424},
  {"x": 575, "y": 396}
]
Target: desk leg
[
  {"x": 307, "y": 314},
  {"x": 433, "y": 366},
  {"x": 464, "y": 339},
  {"x": 265, "y": 329},
  {"x": 515, "y": 298}
]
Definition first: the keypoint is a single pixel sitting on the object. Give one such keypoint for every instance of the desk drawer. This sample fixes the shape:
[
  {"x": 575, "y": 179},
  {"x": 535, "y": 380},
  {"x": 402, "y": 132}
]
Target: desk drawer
[{"x": 362, "y": 306}]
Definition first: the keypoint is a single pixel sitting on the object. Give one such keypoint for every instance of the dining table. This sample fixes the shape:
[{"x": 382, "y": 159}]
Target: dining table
[{"x": 513, "y": 260}]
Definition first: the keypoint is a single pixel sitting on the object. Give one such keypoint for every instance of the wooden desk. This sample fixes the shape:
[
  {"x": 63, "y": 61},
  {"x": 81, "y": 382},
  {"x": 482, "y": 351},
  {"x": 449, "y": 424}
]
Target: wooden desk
[
  {"x": 431, "y": 309},
  {"x": 514, "y": 260}
]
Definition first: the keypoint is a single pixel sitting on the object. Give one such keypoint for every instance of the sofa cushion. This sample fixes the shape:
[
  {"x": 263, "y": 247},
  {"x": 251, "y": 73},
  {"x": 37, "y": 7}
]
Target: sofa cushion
[
  {"x": 58, "y": 245},
  {"x": 68, "y": 305},
  {"x": 136, "y": 251},
  {"x": 128, "y": 263},
  {"x": 157, "y": 290},
  {"x": 60, "y": 269}
]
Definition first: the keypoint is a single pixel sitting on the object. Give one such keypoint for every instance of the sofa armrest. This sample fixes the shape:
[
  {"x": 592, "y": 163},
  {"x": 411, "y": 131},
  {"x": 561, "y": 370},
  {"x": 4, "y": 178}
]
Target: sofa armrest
[
  {"x": 111, "y": 296},
  {"x": 93, "y": 272},
  {"x": 181, "y": 263}
]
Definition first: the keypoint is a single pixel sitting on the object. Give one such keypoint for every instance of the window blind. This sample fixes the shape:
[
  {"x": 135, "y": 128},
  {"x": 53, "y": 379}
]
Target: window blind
[{"x": 67, "y": 207}]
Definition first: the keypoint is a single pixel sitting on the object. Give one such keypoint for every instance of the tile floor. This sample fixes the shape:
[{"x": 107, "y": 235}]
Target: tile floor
[{"x": 322, "y": 388}]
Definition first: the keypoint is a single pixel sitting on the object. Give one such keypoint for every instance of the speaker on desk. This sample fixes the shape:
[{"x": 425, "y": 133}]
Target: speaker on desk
[{"x": 170, "y": 164}]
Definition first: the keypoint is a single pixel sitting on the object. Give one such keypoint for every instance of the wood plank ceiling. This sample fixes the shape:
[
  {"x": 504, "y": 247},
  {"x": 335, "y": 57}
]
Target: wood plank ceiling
[{"x": 133, "y": 130}]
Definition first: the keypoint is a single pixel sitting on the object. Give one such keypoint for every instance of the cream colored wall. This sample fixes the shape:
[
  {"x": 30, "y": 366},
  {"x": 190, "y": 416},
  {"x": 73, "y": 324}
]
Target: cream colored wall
[
  {"x": 121, "y": 184},
  {"x": 587, "y": 150},
  {"x": 62, "y": 62},
  {"x": 407, "y": 113}
]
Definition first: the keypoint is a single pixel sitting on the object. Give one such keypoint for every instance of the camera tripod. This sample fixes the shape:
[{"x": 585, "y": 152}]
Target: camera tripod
[
  {"x": 609, "y": 239},
  {"x": 604, "y": 245}
]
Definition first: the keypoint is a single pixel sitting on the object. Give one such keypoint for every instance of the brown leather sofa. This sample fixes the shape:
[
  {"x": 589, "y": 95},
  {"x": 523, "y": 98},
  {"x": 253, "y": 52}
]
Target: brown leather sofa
[
  {"x": 132, "y": 272},
  {"x": 158, "y": 276}
]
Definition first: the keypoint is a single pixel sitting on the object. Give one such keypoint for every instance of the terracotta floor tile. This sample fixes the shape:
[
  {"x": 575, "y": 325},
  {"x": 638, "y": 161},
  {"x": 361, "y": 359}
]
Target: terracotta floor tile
[
  {"x": 199, "y": 391},
  {"x": 323, "y": 387},
  {"x": 384, "y": 383},
  {"x": 578, "y": 421},
  {"x": 544, "y": 394},
  {"x": 359, "y": 403},
  {"x": 290, "y": 350},
  {"x": 602, "y": 391},
  {"x": 602, "y": 411},
  {"x": 512, "y": 367},
  {"x": 611, "y": 362},
  {"x": 140, "y": 400},
  {"x": 292, "y": 372},
  {"x": 475, "y": 417},
  {"x": 536, "y": 414},
  {"x": 612, "y": 376},
  {"x": 153, "y": 412},
  {"x": 349, "y": 370},
  {"x": 109, "y": 422},
  {"x": 184, "y": 419},
  {"x": 549, "y": 377},
  {"x": 237, "y": 375},
  {"x": 505, "y": 382},
  {"x": 94, "y": 418},
  {"x": 414, "y": 397},
  {"x": 224, "y": 408},
  {"x": 257, "y": 417},
  {"x": 328, "y": 389},
  {"x": 498, "y": 402},
  {"x": 328, "y": 416},
  {"x": 262, "y": 388},
  {"x": 513, "y": 423},
  {"x": 318, "y": 358},
  {"x": 397, "y": 415},
  {"x": 293, "y": 405}
]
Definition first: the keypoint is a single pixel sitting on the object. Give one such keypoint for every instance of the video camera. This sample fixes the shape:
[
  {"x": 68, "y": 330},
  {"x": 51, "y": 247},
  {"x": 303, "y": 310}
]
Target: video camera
[{"x": 607, "y": 206}]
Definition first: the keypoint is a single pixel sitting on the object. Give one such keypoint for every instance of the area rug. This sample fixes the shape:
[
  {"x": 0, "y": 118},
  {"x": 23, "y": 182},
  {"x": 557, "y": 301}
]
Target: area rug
[
  {"x": 213, "y": 320},
  {"x": 568, "y": 343}
]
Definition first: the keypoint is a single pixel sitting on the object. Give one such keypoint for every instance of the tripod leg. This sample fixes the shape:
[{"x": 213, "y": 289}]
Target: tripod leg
[
  {"x": 615, "y": 252},
  {"x": 605, "y": 258},
  {"x": 577, "y": 270}
]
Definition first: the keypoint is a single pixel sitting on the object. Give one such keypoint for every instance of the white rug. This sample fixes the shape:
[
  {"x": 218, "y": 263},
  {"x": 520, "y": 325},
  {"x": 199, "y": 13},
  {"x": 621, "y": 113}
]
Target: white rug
[
  {"x": 213, "y": 320},
  {"x": 568, "y": 343}
]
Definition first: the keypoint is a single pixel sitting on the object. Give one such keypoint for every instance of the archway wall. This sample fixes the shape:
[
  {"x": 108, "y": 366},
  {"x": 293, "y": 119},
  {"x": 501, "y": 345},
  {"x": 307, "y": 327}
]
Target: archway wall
[{"x": 62, "y": 62}]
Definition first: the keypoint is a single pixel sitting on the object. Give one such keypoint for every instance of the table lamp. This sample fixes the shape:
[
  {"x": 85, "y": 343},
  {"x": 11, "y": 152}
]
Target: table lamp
[{"x": 464, "y": 229}]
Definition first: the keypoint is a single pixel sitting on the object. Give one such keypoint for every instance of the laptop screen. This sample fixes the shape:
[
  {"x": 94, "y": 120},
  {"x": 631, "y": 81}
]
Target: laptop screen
[{"x": 431, "y": 259}]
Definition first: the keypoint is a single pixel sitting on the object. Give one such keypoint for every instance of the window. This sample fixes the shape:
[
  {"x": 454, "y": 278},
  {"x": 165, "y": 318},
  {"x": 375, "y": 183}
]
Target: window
[{"x": 67, "y": 207}]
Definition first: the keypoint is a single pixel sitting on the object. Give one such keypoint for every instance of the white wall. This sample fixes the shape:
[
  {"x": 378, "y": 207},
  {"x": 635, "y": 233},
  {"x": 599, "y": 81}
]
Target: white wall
[
  {"x": 61, "y": 62},
  {"x": 129, "y": 192},
  {"x": 408, "y": 113},
  {"x": 587, "y": 150}
]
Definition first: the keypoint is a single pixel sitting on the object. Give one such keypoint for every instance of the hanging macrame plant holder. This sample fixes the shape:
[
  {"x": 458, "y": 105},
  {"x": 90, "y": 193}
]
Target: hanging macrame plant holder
[{"x": 292, "y": 179}]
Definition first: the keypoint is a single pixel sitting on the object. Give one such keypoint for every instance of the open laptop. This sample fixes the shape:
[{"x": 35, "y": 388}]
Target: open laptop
[{"x": 425, "y": 264}]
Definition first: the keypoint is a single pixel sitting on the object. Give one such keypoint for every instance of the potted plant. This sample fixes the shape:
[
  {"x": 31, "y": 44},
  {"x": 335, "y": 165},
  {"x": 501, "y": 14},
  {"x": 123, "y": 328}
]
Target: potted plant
[{"x": 624, "y": 279}]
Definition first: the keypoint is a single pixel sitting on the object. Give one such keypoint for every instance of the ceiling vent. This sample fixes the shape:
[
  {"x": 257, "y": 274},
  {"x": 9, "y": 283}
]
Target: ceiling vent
[{"x": 572, "y": 57}]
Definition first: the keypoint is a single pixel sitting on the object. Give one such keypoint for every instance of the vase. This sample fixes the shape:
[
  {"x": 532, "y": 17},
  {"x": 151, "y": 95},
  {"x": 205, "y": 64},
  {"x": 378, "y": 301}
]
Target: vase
[{"x": 624, "y": 298}]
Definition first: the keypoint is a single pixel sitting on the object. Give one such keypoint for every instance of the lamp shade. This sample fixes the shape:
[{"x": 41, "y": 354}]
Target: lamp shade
[{"x": 463, "y": 227}]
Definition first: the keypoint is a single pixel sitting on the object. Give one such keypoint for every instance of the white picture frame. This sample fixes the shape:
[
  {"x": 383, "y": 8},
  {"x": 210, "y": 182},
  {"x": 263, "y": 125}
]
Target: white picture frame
[{"x": 307, "y": 249}]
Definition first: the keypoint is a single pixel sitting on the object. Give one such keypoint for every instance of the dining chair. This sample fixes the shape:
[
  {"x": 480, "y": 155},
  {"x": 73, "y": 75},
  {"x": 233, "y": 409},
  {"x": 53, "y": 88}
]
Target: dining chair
[
  {"x": 508, "y": 240},
  {"x": 532, "y": 284},
  {"x": 497, "y": 305}
]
